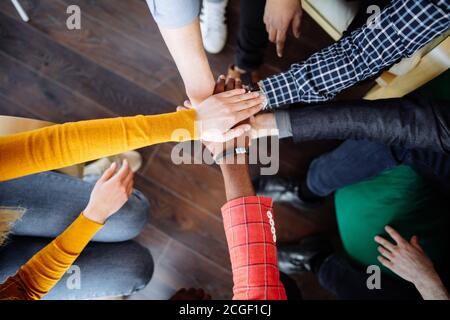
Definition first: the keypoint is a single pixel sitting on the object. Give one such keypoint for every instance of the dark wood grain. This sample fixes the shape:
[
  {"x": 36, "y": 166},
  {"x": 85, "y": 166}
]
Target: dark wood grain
[{"x": 118, "y": 64}]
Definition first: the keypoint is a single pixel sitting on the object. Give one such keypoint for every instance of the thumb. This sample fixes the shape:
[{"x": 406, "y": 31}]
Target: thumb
[
  {"x": 108, "y": 173},
  {"x": 296, "y": 22}
]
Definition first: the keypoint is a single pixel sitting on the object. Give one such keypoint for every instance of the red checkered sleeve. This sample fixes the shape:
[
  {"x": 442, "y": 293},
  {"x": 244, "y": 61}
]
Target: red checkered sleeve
[{"x": 250, "y": 230}]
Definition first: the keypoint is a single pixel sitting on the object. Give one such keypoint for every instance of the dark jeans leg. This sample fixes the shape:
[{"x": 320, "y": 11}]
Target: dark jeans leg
[
  {"x": 349, "y": 282},
  {"x": 351, "y": 162},
  {"x": 105, "y": 269},
  {"x": 252, "y": 37},
  {"x": 53, "y": 201}
]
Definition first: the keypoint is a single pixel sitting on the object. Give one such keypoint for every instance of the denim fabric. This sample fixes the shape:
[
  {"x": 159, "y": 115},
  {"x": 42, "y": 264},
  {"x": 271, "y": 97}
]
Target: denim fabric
[
  {"x": 348, "y": 281},
  {"x": 351, "y": 162},
  {"x": 52, "y": 202}
]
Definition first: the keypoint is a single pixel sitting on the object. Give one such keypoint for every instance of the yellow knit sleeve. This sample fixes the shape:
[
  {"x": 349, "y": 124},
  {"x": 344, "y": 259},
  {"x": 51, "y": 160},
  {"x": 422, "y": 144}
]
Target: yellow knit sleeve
[
  {"x": 71, "y": 143},
  {"x": 35, "y": 278}
]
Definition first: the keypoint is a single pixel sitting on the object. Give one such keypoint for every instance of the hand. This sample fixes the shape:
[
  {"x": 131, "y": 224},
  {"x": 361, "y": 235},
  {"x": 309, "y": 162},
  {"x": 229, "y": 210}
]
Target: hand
[
  {"x": 263, "y": 125},
  {"x": 218, "y": 115},
  {"x": 278, "y": 15},
  {"x": 406, "y": 259},
  {"x": 191, "y": 294},
  {"x": 110, "y": 193}
]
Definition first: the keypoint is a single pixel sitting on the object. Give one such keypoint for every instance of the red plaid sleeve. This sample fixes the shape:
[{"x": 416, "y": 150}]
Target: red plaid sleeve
[{"x": 250, "y": 230}]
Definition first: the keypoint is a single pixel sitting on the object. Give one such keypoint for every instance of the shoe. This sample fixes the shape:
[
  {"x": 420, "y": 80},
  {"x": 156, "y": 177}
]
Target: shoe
[
  {"x": 284, "y": 190},
  {"x": 97, "y": 168},
  {"x": 246, "y": 77},
  {"x": 306, "y": 255},
  {"x": 213, "y": 26}
]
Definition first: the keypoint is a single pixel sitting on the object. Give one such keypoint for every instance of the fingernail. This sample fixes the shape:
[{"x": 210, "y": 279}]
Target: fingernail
[{"x": 222, "y": 76}]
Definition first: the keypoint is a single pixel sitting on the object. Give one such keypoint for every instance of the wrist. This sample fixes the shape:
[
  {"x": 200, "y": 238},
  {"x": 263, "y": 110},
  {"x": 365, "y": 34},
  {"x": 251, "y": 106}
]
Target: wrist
[{"x": 94, "y": 215}]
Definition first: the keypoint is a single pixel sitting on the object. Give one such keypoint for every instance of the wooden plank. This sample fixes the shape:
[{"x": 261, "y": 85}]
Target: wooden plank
[
  {"x": 43, "y": 96},
  {"x": 74, "y": 71},
  {"x": 98, "y": 42},
  {"x": 182, "y": 221}
]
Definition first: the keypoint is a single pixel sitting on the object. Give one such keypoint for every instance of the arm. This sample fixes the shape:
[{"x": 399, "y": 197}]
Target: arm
[
  {"x": 250, "y": 240},
  {"x": 409, "y": 261},
  {"x": 186, "y": 47},
  {"x": 63, "y": 145},
  {"x": 71, "y": 143},
  {"x": 362, "y": 54},
  {"x": 407, "y": 122},
  {"x": 180, "y": 28},
  {"x": 46, "y": 268}
]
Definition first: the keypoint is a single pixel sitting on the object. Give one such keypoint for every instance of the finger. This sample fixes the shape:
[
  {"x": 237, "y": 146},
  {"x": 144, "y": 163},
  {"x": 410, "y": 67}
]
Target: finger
[
  {"x": 242, "y": 97},
  {"x": 385, "y": 262},
  {"x": 108, "y": 172},
  {"x": 281, "y": 39},
  {"x": 187, "y": 104},
  {"x": 387, "y": 254},
  {"x": 272, "y": 34},
  {"x": 231, "y": 93},
  {"x": 243, "y": 105},
  {"x": 238, "y": 84},
  {"x": 230, "y": 84},
  {"x": 129, "y": 178},
  {"x": 247, "y": 113},
  {"x": 123, "y": 172},
  {"x": 415, "y": 242},
  {"x": 386, "y": 244},
  {"x": 220, "y": 84},
  {"x": 181, "y": 108},
  {"x": 130, "y": 187},
  {"x": 236, "y": 132},
  {"x": 394, "y": 235},
  {"x": 296, "y": 24}
]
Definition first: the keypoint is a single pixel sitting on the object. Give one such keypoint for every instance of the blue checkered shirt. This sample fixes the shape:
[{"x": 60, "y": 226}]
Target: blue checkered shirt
[{"x": 401, "y": 29}]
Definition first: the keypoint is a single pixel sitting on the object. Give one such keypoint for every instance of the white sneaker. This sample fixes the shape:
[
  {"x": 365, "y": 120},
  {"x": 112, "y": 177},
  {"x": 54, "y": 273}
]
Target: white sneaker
[
  {"x": 213, "y": 26},
  {"x": 97, "y": 168}
]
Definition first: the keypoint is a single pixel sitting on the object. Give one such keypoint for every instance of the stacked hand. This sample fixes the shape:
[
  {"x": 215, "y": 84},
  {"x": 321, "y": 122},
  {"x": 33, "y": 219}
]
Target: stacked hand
[
  {"x": 218, "y": 115},
  {"x": 278, "y": 15},
  {"x": 110, "y": 193},
  {"x": 408, "y": 260}
]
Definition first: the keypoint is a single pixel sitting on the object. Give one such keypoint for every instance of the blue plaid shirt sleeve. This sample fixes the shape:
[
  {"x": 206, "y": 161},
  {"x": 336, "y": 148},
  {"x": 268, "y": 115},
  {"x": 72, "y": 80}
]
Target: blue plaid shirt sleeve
[{"x": 402, "y": 28}]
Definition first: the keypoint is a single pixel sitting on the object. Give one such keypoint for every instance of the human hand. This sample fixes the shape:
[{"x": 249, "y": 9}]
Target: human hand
[
  {"x": 110, "y": 193},
  {"x": 406, "y": 259},
  {"x": 263, "y": 125},
  {"x": 219, "y": 114},
  {"x": 243, "y": 139},
  {"x": 278, "y": 15}
]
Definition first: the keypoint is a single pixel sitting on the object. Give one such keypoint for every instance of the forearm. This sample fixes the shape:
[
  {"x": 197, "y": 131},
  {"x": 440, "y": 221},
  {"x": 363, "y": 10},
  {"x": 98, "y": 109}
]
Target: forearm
[
  {"x": 360, "y": 55},
  {"x": 72, "y": 143},
  {"x": 432, "y": 288},
  {"x": 237, "y": 179},
  {"x": 250, "y": 231},
  {"x": 186, "y": 47},
  {"x": 401, "y": 122},
  {"x": 45, "y": 269}
]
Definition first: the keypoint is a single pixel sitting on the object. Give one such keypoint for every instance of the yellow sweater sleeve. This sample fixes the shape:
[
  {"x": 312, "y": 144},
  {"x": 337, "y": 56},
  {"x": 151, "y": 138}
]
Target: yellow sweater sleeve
[
  {"x": 71, "y": 143},
  {"x": 35, "y": 278}
]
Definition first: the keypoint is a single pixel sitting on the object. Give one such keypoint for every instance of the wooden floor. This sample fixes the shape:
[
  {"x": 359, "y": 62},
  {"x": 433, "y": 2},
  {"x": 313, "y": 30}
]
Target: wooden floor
[{"x": 118, "y": 65}]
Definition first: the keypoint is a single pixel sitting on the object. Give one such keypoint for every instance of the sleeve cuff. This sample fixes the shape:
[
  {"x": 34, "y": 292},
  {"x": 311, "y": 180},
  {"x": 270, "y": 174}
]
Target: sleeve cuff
[
  {"x": 75, "y": 238},
  {"x": 284, "y": 126}
]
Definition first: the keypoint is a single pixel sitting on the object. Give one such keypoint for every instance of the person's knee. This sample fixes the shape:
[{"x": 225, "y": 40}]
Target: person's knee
[
  {"x": 142, "y": 266},
  {"x": 128, "y": 222}
]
